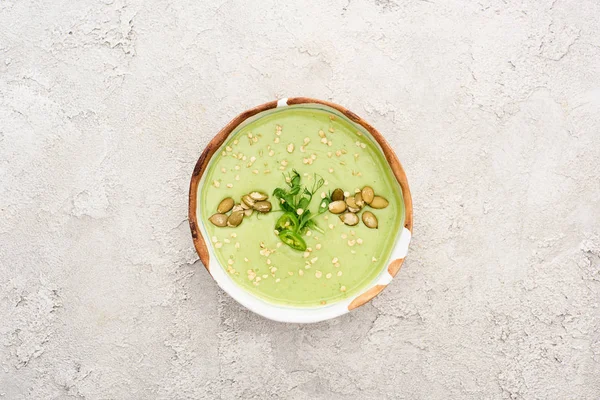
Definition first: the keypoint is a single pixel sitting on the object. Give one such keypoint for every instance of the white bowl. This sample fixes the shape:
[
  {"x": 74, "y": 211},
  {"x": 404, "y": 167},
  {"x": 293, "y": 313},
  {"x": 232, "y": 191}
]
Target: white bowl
[{"x": 291, "y": 313}]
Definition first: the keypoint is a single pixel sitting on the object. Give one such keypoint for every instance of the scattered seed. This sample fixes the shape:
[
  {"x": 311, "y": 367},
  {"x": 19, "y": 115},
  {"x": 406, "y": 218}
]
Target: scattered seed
[
  {"x": 349, "y": 219},
  {"x": 290, "y": 148},
  {"x": 218, "y": 245},
  {"x": 379, "y": 202},
  {"x": 235, "y": 218},
  {"x": 331, "y": 129},
  {"x": 352, "y": 206},
  {"x": 306, "y": 254},
  {"x": 271, "y": 153},
  {"x": 324, "y": 140},
  {"x": 330, "y": 226},
  {"x": 263, "y": 206},
  {"x": 230, "y": 185},
  {"x": 258, "y": 196},
  {"x": 214, "y": 239},
  {"x": 227, "y": 241},
  {"x": 339, "y": 273},
  {"x": 330, "y": 170},
  {"x": 219, "y": 220},
  {"x": 351, "y": 242},
  {"x": 299, "y": 211},
  {"x": 277, "y": 280},
  {"x": 308, "y": 233},
  {"x": 255, "y": 171},
  {"x": 370, "y": 220},
  {"x": 336, "y": 265},
  {"x": 254, "y": 139},
  {"x": 318, "y": 274},
  {"x": 318, "y": 246},
  {"x": 301, "y": 272},
  {"x": 276, "y": 140},
  {"x": 358, "y": 199},
  {"x": 302, "y": 149},
  {"x": 337, "y": 207},
  {"x": 290, "y": 273},
  {"x": 314, "y": 260},
  {"x": 329, "y": 154},
  {"x": 237, "y": 245},
  {"x": 216, "y": 183},
  {"x": 230, "y": 261},
  {"x": 373, "y": 259},
  {"x": 334, "y": 260},
  {"x": 248, "y": 201},
  {"x": 367, "y": 194},
  {"x": 343, "y": 289},
  {"x": 337, "y": 195},
  {"x": 363, "y": 145},
  {"x": 306, "y": 140},
  {"x": 328, "y": 276}
]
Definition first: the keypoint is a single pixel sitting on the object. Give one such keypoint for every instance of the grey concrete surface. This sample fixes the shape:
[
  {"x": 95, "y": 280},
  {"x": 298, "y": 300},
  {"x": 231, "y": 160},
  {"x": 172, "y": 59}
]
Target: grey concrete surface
[{"x": 492, "y": 106}]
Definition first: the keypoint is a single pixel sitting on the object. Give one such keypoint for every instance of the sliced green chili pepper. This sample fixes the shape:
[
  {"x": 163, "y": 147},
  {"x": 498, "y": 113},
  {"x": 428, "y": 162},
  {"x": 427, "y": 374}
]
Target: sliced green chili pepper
[
  {"x": 288, "y": 221},
  {"x": 293, "y": 240}
]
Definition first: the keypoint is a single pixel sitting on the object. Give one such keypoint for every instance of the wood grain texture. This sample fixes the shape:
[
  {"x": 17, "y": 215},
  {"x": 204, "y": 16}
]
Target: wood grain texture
[{"x": 366, "y": 297}]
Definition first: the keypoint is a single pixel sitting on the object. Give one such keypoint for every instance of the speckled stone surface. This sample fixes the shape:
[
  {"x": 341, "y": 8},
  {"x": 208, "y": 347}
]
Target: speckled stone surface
[{"x": 493, "y": 108}]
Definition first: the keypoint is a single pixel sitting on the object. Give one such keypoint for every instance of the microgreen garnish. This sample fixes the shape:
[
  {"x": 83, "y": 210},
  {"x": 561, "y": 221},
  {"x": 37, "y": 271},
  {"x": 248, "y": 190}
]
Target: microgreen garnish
[{"x": 297, "y": 217}]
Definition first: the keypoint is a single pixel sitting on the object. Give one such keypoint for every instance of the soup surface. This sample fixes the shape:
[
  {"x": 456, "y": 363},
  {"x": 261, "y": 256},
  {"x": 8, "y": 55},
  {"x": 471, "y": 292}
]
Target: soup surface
[{"x": 316, "y": 143}]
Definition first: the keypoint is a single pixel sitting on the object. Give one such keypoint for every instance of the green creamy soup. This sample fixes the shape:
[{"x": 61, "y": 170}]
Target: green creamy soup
[{"x": 338, "y": 263}]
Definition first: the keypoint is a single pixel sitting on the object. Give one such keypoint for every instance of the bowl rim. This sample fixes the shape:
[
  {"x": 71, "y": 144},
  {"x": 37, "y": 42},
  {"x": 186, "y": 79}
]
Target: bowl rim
[{"x": 391, "y": 158}]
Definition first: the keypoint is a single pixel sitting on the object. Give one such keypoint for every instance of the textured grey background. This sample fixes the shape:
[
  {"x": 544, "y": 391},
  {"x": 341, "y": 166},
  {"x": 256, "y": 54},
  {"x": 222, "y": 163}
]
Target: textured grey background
[{"x": 492, "y": 106}]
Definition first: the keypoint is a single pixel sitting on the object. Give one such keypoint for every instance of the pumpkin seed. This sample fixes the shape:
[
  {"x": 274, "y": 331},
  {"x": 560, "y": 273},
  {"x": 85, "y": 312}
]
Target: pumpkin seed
[
  {"x": 349, "y": 218},
  {"x": 367, "y": 194},
  {"x": 248, "y": 200},
  {"x": 370, "y": 220},
  {"x": 248, "y": 212},
  {"x": 351, "y": 203},
  {"x": 245, "y": 206},
  {"x": 337, "y": 207},
  {"x": 262, "y": 206},
  {"x": 352, "y": 206},
  {"x": 235, "y": 218},
  {"x": 337, "y": 195},
  {"x": 237, "y": 207},
  {"x": 225, "y": 205},
  {"x": 379, "y": 202},
  {"x": 258, "y": 196},
  {"x": 218, "y": 220},
  {"x": 359, "y": 200}
]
